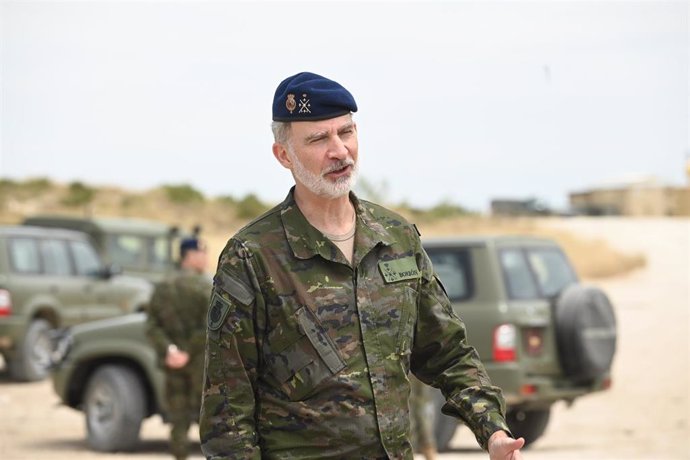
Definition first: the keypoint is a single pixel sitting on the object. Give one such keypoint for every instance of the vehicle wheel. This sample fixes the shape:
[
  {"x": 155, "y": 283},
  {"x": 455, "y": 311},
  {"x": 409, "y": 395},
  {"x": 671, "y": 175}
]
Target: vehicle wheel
[
  {"x": 586, "y": 332},
  {"x": 32, "y": 360},
  {"x": 529, "y": 424},
  {"x": 114, "y": 405},
  {"x": 444, "y": 426}
]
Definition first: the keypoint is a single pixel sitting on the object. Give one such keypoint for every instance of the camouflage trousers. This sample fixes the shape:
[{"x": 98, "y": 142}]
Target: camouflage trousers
[{"x": 183, "y": 396}]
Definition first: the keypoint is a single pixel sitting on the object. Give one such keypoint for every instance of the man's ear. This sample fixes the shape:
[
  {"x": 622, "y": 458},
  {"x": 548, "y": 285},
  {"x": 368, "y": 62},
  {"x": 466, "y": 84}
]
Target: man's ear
[{"x": 281, "y": 154}]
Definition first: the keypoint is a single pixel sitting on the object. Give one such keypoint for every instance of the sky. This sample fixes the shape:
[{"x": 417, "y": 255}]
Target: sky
[{"x": 459, "y": 102}]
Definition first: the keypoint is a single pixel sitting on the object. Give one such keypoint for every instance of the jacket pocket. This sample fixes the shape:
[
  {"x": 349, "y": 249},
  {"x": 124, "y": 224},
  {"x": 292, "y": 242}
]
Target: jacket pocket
[{"x": 300, "y": 355}]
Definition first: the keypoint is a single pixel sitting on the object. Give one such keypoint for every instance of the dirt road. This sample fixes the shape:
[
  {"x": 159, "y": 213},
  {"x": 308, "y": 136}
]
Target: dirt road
[{"x": 644, "y": 416}]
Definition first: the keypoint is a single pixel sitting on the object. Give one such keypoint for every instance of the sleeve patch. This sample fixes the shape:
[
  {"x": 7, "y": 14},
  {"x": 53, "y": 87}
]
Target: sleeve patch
[
  {"x": 235, "y": 288},
  {"x": 218, "y": 311}
]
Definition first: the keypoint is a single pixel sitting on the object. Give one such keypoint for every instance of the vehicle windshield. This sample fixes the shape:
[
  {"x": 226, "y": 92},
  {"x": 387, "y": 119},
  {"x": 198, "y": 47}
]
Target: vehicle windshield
[
  {"x": 159, "y": 249},
  {"x": 139, "y": 252},
  {"x": 534, "y": 273},
  {"x": 127, "y": 251}
]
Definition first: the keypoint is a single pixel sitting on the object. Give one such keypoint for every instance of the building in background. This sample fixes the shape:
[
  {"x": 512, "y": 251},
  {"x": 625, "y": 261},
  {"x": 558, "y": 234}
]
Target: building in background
[{"x": 644, "y": 196}]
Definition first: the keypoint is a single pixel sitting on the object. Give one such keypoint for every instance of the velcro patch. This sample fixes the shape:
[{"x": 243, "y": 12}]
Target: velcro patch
[
  {"x": 218, "y": 311},
  {"x": 399, "y": 269},
  {"x": 234, "y": 287}
]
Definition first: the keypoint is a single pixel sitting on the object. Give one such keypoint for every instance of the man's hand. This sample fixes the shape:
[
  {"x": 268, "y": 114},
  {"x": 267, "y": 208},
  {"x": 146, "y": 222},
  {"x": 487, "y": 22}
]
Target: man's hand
[
  {"x": 176, "y": 358},
  {"x": 501, "y": 447}
]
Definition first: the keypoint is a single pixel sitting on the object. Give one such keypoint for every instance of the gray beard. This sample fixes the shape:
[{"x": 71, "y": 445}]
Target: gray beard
[{"x": 317, "y": 183}]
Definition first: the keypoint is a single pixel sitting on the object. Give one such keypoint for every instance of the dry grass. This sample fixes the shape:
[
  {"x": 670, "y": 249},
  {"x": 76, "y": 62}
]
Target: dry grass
[{"x": 592, "y": 258}]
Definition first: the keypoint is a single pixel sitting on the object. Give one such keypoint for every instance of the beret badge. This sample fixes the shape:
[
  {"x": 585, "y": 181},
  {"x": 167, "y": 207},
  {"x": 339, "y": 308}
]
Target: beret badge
[
  {"x": 307, "y": 96},
  {"x": 290, "y": 103},
  {"x": 304, "y": 104}
]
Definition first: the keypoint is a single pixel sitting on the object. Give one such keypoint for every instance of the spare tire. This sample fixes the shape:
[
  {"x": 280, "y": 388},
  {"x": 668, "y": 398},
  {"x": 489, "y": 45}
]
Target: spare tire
[{"x": 586, "y": 332}]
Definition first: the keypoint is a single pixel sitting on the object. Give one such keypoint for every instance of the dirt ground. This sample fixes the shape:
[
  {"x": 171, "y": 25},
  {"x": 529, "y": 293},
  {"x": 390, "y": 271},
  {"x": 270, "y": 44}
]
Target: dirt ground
[{"x": 644, "y": 416}]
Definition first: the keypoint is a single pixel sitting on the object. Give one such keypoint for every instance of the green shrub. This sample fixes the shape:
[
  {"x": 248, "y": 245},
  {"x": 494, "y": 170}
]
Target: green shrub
[
  {"x": 250, "y": 206},
  {"x": 7, "y": 184},
  {"x": 183, "y": 194},
  {"x": 37, "y": 185},
  {"x": 445, "y": 210},
  {"x": 78, "y": 194},
  {"x": 227, "y": 200},
  {"x": 28, "y": 188}
]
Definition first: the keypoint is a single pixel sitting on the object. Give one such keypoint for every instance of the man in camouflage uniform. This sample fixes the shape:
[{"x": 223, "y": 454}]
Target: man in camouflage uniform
[
  {"x": 322, "y": 306},
  {"x": 176, "y": 326}
]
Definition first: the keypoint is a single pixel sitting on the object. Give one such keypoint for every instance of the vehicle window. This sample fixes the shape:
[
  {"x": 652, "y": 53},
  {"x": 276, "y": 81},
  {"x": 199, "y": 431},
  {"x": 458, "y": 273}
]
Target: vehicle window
[
  {"x": 127, "y": 251},
  {"x": 85, "y": 258},
  {"x": 24, "y": 255},
  {"x": 159, "y": 253},
  {"x": 453, "y": 269},
  {"x": 519, "y": 280},
  {"x": 552, "y": 270},
  {"x": 55, "y": 258}
]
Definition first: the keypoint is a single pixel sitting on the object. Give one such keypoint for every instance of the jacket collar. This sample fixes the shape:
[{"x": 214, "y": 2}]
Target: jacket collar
[{"x": 306, "y": 241}]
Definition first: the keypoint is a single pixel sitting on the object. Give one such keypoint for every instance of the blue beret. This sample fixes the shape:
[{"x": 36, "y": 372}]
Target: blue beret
[
  {"x": 310, "y": 97},
  {"x": 188, "y": 244}
]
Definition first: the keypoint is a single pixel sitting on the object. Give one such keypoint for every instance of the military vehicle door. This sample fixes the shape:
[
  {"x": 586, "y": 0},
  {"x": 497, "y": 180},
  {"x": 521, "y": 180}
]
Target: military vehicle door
[
  {"x": 46, "y": 274},
  {"x": 100, "y": 295}
]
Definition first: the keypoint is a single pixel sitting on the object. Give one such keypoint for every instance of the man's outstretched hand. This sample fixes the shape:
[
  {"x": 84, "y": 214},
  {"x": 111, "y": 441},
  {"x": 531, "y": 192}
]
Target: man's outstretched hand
[{"x": 502, "y": 447}]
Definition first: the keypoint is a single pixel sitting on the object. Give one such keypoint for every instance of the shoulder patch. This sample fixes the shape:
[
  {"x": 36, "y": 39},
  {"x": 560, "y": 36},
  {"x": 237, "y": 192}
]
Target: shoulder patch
[
  {"x": 234, "y": 287},
  {"x": 218, "y": 311}
]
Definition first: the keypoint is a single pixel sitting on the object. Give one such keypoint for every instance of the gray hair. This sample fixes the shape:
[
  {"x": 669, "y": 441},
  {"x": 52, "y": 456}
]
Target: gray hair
[{"x": 281, "y": 131}]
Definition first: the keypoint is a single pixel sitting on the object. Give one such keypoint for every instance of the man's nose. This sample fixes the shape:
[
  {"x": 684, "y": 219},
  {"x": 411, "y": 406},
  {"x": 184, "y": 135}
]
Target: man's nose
[{"x": 337, "y": 148}]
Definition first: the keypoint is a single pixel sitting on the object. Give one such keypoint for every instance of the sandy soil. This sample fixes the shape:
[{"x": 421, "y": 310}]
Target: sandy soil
[{"x": 644, "y": 416}]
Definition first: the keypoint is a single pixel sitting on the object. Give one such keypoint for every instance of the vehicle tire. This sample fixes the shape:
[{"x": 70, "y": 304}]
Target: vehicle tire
[
  {"x": 114, "y": 406},
  {"x": 586, "y": 332},
  {"x": 529, "y": 424},
  {"x": 32, "y": 361},
  {"x": 444, "y": 426}
]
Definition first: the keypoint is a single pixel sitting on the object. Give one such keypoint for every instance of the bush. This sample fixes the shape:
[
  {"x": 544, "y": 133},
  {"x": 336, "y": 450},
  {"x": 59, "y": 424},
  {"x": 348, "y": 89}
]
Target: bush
[
  {"x": 78, "y": 194},
  {"x": 445, "y": 210},
  {"x": 30, "y": 187},
  {"x": 7, "y": 184},
  {"x": 183, "y": 194},
  {"x": 250, "y": 206},
  {"x": 37, "y": 185},
  {"x": 227, "y": 200}
]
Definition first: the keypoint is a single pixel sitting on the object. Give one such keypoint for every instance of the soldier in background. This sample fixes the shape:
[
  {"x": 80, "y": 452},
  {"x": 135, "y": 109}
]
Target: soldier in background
[
  {"x": 322, "y": 306},
  {"x": 176, "y": 326}
]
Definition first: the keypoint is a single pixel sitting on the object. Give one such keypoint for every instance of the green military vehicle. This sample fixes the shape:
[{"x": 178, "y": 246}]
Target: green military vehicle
[
  {"x": 49, "y": 279},
  {"x": 542, "y": 336},
  {"x": 142, "y": 248},
  {"x": 109, "y": 370}
]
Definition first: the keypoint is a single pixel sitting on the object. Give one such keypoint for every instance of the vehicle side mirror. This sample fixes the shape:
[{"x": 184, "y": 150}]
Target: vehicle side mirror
[{"x": 109, "y": 271}]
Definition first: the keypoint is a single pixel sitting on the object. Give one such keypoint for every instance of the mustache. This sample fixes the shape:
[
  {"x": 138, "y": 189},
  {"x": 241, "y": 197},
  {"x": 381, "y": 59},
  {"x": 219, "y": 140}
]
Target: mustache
[{"x": 340, "y": 164}]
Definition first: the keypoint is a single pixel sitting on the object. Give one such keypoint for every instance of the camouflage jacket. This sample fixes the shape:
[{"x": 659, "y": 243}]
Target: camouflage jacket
[
  {"x": 177, "y": 314},
  {"x": 308, "y": 356}
]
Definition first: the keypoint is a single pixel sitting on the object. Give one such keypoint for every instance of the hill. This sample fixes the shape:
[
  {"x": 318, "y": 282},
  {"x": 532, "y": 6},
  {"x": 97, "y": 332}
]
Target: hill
[{"x": 220, "y": 217}]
